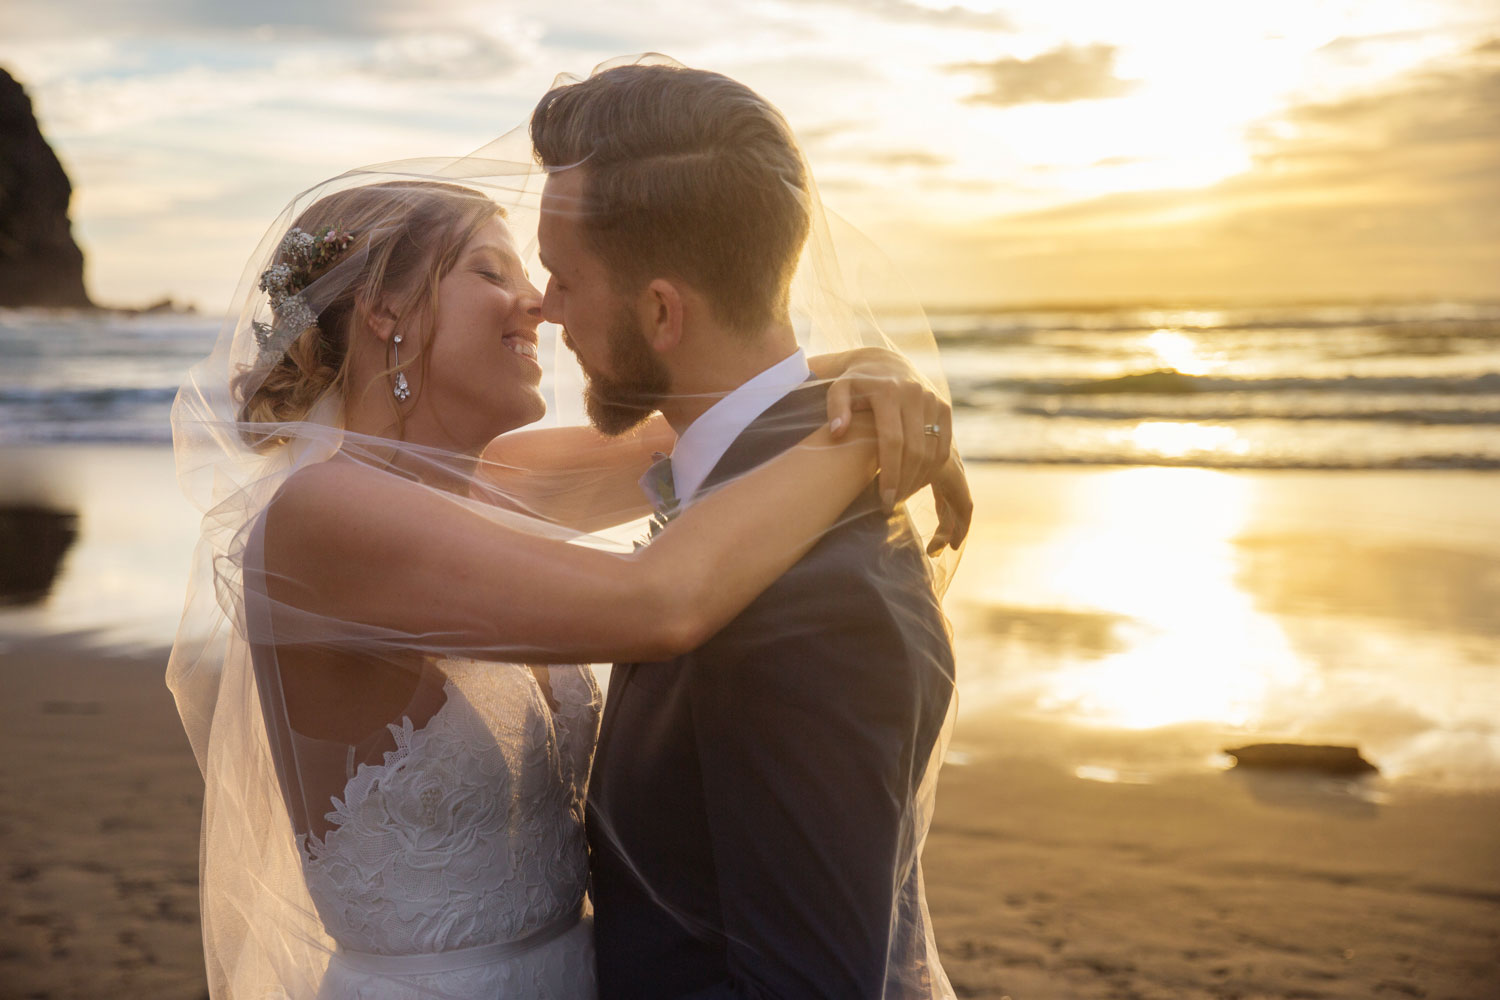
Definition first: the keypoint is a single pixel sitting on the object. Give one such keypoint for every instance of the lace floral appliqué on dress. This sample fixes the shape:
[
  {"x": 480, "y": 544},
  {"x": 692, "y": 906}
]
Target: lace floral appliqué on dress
[{"x": 458, "y": 866}]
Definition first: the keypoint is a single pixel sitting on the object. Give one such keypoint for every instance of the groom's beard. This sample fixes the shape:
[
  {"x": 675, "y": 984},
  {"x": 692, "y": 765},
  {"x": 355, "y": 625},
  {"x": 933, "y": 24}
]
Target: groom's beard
[{"x": 626, "y": 398}]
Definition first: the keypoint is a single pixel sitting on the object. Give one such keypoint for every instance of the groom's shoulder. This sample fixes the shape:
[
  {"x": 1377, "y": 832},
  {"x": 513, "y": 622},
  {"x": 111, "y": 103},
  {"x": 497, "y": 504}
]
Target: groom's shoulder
[
  {"x": 867, "y": 569},
  {"x": 866, "y": 565},
  {"x": 855, "y": 625}
]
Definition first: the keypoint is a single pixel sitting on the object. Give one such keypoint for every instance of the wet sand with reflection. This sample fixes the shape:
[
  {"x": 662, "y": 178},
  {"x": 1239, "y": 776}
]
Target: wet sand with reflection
[
  {"x": 1330, "y": 607},
  {"x": 1117, "y": 628}
]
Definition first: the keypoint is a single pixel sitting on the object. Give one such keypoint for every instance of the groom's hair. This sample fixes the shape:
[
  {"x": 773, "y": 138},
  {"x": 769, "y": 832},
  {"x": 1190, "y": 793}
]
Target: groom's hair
[{"x": 688, "y": 174}]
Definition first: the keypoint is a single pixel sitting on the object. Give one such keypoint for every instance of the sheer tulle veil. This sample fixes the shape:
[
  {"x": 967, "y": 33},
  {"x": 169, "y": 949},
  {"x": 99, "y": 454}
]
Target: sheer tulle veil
[{"x": 263, "y": 933}]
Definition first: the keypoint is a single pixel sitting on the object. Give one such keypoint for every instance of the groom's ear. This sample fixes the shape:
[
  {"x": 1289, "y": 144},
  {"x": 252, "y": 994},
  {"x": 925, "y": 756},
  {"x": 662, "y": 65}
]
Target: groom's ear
[{"x": 661, "y": 305}]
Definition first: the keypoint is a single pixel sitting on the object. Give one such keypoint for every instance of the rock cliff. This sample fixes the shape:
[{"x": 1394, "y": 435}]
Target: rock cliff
[{"x": 40, "y": 265}]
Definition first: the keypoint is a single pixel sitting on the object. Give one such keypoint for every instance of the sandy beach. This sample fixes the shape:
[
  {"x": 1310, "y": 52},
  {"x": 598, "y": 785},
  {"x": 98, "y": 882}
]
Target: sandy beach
[
  {"x": 1083, "y": 847},
  {"x": 99, "y": 831},
  {"x": 1042, "y": 884}
]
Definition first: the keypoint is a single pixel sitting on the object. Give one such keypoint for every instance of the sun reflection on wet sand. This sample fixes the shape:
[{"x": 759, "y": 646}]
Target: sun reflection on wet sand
[
  {"x": 1135, "y": 621},
  {"x": 1156, "y": 546}
]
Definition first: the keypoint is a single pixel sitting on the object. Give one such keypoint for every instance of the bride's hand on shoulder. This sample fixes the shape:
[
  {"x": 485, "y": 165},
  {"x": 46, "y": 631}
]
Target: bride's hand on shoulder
[{"x": 914, "y": 428}]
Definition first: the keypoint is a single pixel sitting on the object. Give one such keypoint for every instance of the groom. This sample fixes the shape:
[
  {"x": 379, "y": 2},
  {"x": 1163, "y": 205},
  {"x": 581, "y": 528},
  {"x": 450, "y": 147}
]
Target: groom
[{"x": 751, "y": 811}]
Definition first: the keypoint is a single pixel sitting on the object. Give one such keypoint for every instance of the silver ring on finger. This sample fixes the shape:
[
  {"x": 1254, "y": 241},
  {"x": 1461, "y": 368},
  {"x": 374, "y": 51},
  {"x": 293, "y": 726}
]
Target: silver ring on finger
[{"x": 932, "y": 430}]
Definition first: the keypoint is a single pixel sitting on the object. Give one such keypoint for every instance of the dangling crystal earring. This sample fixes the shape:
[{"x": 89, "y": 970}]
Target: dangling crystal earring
[{"x": 402, "y": 390}]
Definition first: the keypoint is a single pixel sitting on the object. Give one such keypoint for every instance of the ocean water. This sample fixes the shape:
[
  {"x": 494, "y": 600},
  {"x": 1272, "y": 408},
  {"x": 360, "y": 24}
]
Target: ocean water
[
  {"x": 1274, "y": 523},
  {"x": 1330, "y": 387},
  {"x": 1327, "y": 387},
  {"x": 94, "y": 377}
]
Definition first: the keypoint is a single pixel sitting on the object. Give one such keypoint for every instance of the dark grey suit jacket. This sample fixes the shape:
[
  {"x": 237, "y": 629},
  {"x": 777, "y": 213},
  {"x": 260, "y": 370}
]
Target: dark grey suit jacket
[{"x": 749, "y": 807}]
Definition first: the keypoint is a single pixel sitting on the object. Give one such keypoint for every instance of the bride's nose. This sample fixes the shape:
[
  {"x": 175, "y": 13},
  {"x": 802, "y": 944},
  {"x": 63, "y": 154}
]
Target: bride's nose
[{"x": 530, "y": 302}]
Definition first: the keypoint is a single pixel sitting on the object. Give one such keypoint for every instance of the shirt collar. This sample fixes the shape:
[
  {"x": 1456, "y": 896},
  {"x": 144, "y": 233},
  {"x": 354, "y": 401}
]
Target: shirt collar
[{"x": 706, "y": 439}]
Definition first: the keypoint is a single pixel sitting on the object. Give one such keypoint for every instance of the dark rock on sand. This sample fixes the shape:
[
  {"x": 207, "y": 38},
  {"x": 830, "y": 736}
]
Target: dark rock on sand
[
  {"x": 1302, "y": 757},
  {"x": 33, "y": 541},
  {"x": 40, "y": 265}
]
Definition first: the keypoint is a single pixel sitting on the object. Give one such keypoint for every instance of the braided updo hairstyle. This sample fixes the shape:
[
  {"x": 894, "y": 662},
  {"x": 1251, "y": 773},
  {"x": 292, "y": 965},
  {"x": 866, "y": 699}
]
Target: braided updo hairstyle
[{"x": 409, "y": 234}]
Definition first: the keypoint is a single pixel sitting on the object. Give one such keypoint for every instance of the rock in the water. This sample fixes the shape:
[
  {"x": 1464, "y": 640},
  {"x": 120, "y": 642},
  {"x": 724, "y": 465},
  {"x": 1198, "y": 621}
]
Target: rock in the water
[
  {"x": 1302, "y": 757},
  {"x": 33, "y": 541},
  {"x": 40, "y": 265},
  {"x": 168, "y": 306}
]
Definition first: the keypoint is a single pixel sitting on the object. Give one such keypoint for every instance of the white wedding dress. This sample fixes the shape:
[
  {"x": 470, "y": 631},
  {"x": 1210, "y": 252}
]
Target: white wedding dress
[{"x": 458, "y": 867}]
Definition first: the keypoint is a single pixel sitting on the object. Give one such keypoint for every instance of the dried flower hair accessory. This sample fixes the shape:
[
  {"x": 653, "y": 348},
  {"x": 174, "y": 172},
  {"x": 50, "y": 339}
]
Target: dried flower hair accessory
[{"x": 304, "y": 257}]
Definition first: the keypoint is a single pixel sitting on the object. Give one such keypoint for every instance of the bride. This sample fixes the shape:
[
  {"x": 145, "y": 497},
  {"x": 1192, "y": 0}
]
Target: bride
[{"x": 394, "y": 803}]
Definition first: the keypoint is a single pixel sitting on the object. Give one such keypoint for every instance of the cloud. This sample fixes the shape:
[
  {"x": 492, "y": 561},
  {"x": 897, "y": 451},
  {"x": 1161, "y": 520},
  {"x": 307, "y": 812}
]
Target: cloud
[
  {"x": 954, "y": 16},
  {"x": 813, "y": 135},
  {"x": 1383, "y": 161},
  {"x": 568, "y": 38},
  {"x": 1438, "y": 119},
  {"x": 1388, "y": 193},
  {"x": 905, "y": 158},
  {"x": 1064, "y": 74},
  {"x": 449, "y": 55},
  {"x": 281, "y": 18},
  {"x": 962, "y": 185},
  {"x": 1350, "y": 45}
]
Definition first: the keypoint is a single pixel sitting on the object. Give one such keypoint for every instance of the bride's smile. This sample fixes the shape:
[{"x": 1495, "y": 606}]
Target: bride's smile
[{"x": 520, "y": 344}]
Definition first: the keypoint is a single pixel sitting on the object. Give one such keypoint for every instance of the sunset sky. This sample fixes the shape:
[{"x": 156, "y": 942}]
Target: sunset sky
[{"x": 1000, "y": 152}]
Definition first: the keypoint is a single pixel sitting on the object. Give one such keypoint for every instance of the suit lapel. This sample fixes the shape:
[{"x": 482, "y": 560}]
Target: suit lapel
[{"x": 785, "y": 422}]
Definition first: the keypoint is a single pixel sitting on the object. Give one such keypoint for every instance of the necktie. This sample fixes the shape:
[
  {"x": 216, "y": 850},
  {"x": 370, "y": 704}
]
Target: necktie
[{"x": 661, "y": 489}]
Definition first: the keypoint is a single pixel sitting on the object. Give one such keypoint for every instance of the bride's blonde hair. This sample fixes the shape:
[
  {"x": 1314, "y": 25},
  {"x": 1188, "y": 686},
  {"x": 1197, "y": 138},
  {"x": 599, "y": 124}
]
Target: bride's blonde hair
[{"x": 409, "y": 235}]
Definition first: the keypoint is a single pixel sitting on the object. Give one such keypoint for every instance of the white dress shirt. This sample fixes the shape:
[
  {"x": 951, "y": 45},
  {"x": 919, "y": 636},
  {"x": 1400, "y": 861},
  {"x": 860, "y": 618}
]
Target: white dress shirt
[{"x": 700, "y": 447}]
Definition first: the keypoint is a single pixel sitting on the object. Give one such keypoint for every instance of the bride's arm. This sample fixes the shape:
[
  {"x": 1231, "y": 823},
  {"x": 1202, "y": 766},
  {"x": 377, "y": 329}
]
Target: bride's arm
[
  {"x": 574, "y": 475},
  {"x": 587, "y": 480},
  {"x": 358, "y": 546}
]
